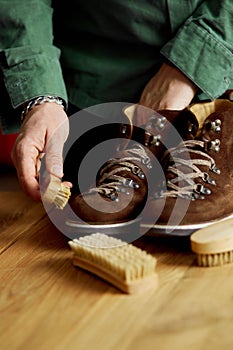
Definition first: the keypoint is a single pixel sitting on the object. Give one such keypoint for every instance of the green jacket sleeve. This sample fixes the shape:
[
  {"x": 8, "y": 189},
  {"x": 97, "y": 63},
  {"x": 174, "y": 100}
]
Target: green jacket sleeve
[
  {"x": 202, "y": 47},
  {"x": 29, "y": 62}
]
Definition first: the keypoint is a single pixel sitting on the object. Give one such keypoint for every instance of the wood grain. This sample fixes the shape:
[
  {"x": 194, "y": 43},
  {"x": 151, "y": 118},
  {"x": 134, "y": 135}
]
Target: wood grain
[{"x": 47, "y": 303}]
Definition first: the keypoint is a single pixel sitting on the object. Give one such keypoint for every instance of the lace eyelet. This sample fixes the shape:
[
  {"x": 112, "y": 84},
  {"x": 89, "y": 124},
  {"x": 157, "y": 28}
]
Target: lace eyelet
[
  {"x": 195, "y": 196},
  {"x": 191, "y": 128},
  {"x": 213, "y": 145},
  {"x": 130, "y": 183},
  {"x": 152, "y": 140},
  {"x": 137, "y": 171},
  {"x": 124, "y": 190},
  {"x": 214, "y": 126},
  {"x": 123, "y": 129},
  {"x": 161, "y": 123},
  {"x": 214, "y": 169},
  {"x": 208, "y": 180},
  {"x": 200, "y": 189},
  {"x": 147, "y": 162},
  {"x": 155, "y": 121},
  {"x": 113, "y": 196}
]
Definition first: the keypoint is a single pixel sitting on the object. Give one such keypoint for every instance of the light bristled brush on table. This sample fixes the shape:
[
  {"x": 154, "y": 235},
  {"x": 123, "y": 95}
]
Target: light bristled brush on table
[
  {"x": 123, "y": 265},
  {"x": 214, "y": 244},
  {"x": 56, "y": 193}
]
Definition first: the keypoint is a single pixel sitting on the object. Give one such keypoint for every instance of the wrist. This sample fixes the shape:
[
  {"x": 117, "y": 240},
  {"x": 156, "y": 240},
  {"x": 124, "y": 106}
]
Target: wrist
[
  {"x": 172, "y": 70},
  {"x": 28, "y": 106}
]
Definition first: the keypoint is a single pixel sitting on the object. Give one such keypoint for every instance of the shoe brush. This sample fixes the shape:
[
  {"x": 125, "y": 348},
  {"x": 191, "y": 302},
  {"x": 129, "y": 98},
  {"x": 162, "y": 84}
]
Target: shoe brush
[
  {"x": 56, "y": 192},
  {"x": 121, "y": 264},
  {"x": 214, "y": 244}
]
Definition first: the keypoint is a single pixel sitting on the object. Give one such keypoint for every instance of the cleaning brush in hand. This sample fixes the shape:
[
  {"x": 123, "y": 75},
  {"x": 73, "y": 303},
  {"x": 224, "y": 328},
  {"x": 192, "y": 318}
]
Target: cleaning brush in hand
[
  {"x": 56, "y": 193},
  {"x": 123, "y": 265}
]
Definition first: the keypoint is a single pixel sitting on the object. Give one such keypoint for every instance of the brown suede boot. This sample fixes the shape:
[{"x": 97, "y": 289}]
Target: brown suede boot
[
  {"x": 199, "y": 183},
  {"x": 121, "y": 188}
]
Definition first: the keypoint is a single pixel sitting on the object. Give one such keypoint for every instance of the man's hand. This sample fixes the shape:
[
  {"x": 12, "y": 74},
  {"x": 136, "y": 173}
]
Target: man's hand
[
  {"x": 44, "y": 131},
  {"x": 168, "y": 89}
]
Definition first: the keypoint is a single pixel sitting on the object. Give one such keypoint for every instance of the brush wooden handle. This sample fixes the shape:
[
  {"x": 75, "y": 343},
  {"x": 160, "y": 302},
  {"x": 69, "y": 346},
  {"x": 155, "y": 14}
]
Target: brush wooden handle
[
  {"x": 132, "y": 287},
  {"x": 125, "y": 266},
  {"x": 213, "y": 239}
]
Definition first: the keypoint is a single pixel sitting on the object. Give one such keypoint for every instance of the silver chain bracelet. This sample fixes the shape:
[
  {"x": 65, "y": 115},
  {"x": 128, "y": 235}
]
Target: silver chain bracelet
[{"x": 39, "y": 101}]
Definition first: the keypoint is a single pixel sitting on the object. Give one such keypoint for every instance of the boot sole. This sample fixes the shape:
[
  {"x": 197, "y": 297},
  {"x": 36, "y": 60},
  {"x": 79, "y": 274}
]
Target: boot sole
[
  {"x": 178, "y": 230},
  {"x": 127, "y": 229}
]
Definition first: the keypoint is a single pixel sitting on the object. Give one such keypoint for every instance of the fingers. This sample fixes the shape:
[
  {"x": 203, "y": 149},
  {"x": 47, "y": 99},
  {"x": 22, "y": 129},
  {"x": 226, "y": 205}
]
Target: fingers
[
  {"x": 24, "y": 157},
  {"x": 54, "y": 149},
  {"x": 67, "y": 184},
  {"x": 45, "y": 129},
  {"x": 54, "y": 160}
]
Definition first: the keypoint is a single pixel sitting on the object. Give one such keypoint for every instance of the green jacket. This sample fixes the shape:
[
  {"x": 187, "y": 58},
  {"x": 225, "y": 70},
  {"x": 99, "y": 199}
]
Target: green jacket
[{"x": 91, "y": 51}]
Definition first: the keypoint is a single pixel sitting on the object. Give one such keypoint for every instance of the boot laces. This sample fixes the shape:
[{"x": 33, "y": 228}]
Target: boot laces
[
  {"x": 110, "y": 181},
  {"x": 182, "y": 184}
]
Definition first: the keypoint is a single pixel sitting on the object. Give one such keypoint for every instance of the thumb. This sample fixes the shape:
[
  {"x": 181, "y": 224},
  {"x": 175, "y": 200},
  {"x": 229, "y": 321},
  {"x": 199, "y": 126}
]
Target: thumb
[{"x": 54, "y": 159}]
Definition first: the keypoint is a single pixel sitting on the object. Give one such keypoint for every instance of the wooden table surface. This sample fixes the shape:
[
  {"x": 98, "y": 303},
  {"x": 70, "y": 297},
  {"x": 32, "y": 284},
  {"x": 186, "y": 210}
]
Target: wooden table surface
[{"x": 47, "y": 303}]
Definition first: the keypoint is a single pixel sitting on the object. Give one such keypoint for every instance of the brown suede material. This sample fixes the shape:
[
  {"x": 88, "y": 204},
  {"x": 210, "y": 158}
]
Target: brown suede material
[
  {"x": 95, "y": 208},
  {"x": 127, "y": 207},
  {"x": 217, "y": 205}
]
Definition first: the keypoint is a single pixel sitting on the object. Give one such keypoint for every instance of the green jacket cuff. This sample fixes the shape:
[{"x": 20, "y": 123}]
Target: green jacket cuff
[
  {"x": 30, "y": 71},
  {"x": 197, "y": 53}
]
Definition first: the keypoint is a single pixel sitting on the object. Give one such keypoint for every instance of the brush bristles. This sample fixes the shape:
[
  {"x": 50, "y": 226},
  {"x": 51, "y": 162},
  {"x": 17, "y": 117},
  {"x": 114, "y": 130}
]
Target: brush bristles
[
  {"x": 123, "y": 265},
  {"x": 218, "y": 259},
  {"x": 62, "y": 197},
  {"x": 56, "y": 193},
  {"x": 123, "y": 260}
]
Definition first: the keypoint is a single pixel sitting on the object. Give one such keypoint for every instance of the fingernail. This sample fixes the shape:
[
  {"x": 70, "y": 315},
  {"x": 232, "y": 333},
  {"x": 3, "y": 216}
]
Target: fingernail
[{"x": 57, "y": 170}]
